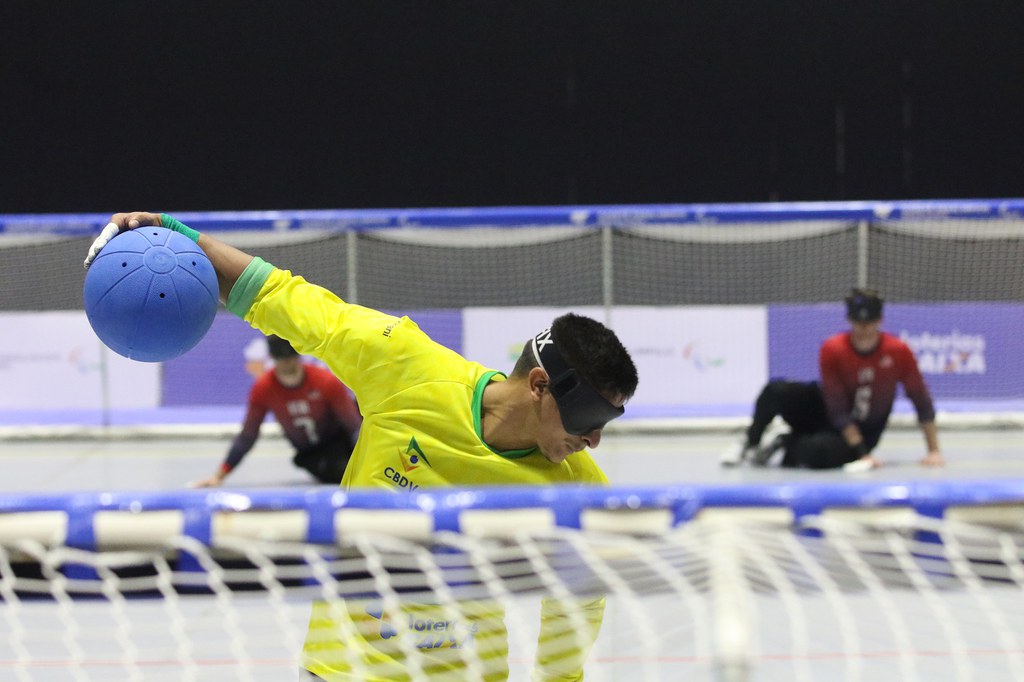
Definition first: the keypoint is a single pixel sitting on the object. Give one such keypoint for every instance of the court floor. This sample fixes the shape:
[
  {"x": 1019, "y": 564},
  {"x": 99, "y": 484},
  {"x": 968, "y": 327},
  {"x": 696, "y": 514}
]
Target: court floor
[
  {"x": 69, "y": 465},
  {"x": 168, "y": 464}
]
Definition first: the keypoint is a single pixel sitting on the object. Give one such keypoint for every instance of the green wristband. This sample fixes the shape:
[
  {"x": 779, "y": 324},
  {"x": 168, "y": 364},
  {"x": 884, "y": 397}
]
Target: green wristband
[{"x": 172, "y": 224}]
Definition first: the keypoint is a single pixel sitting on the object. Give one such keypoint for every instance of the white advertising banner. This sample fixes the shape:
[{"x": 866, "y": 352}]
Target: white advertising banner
[
  {"x": 52, "y": 360},
  {"x": 685, "y": 356}
]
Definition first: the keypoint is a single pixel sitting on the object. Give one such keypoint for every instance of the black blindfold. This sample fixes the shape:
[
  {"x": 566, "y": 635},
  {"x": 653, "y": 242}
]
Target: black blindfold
[{"x": 582, "y": 407}]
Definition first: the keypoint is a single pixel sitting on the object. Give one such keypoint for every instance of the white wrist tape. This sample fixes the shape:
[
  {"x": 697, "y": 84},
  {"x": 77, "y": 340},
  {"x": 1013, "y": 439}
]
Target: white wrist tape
[{"x": 108, "y": 233}]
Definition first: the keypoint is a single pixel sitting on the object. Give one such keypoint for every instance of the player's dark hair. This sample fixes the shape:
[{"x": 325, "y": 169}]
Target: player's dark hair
[
  {"x": 593, "y": 350},
  {"x": 280, "y": 348},
  {"x": 863, "y": 305}
]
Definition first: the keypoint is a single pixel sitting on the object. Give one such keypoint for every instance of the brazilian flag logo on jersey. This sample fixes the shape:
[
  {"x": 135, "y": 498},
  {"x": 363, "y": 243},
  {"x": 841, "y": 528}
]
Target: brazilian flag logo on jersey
[{"x": 413, "y": 456}]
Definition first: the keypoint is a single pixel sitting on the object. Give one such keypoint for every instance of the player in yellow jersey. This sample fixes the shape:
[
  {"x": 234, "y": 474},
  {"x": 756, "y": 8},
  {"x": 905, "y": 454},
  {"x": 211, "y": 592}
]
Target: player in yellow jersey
[{"x": 432, "y": 418}]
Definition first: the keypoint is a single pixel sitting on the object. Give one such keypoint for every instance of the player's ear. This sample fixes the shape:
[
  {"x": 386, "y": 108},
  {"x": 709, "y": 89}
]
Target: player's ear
[{"x": 538, "y": 381}]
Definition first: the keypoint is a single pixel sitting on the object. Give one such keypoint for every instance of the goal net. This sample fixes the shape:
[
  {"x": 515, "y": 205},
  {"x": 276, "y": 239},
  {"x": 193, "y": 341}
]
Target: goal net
[
  {"x": 712, "y": 300},
  {"x": 870, "y": 581}
]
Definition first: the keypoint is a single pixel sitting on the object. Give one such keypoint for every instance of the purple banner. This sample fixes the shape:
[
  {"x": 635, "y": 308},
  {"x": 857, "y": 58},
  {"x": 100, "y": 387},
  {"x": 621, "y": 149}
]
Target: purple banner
[
  {"x": 220, "y": 370},
  {"x": 966, "y": 351}
]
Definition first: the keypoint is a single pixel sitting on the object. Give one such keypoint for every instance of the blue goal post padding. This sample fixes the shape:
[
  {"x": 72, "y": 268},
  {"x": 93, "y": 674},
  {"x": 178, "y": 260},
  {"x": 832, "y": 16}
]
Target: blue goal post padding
[
  {"x": 85, "y": 224},
  {"x": 444, "y": 506}
]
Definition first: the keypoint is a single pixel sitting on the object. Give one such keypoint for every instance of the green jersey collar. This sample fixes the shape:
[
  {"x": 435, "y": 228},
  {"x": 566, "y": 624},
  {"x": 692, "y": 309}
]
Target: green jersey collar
[{"x": 478, "y": 408}]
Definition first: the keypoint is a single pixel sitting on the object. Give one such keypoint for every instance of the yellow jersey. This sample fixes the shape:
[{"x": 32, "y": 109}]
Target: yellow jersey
[
  {"x": 420, "y": 401},
  {"x": 421, "y": 407}
]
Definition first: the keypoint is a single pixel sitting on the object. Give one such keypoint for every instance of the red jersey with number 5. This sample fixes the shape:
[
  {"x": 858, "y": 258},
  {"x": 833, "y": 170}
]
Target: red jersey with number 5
[{"x": 860, "y": 388}]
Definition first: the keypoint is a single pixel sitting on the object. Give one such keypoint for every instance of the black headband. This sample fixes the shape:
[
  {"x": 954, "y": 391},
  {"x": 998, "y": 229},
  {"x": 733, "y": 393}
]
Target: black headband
[
  {"x": 863, "y": 307},
  {"x": 582, "y": 407}
]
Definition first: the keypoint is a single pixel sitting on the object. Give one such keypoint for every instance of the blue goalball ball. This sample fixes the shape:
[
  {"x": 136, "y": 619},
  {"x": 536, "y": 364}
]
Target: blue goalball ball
[{"x": 151, "y": 294}]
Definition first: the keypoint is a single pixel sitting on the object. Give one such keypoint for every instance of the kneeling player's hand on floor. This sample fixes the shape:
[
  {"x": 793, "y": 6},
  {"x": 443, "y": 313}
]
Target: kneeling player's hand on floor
[
  {"x": 211, "y": 482},
  {"x": 858, "y": 466}
]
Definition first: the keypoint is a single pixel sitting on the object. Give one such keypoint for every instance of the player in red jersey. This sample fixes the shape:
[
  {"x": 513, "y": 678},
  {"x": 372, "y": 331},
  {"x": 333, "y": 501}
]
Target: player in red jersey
[
  {"x": 839, "y": 421},
  {"x": 315, "y": 410}
]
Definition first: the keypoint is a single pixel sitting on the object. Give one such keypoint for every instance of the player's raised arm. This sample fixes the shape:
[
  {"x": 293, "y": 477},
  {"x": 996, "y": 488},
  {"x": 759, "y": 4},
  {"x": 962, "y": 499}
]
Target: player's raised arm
[{"x": 228, "y": 262}]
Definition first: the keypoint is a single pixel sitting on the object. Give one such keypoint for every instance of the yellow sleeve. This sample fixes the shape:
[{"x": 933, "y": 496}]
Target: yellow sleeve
[
  {"x": 568, "y": 630},
  {"x": 374, "y": 354},
  {"x": 585, "y": 469}
]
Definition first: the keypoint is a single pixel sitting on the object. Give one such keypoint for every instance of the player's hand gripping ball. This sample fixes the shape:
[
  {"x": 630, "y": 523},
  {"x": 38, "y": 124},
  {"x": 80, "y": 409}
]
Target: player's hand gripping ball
[{"x": 151, "y": 294}]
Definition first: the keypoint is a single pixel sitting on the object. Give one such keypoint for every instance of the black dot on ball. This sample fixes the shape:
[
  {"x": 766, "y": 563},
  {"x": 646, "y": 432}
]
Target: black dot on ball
[
  {"x": 124, "y": 265},
  {"x": 162, "y": 295}
]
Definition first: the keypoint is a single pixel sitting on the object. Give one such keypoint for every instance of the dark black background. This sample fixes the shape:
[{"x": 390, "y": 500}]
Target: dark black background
[{"x": 181, "y": 105}]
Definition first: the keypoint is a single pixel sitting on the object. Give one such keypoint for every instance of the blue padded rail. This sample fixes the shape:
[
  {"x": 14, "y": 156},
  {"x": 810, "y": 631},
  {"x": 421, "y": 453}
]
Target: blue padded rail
[
  {"x": 85, "y": 224},
  {"x": 929, "y": 498}
]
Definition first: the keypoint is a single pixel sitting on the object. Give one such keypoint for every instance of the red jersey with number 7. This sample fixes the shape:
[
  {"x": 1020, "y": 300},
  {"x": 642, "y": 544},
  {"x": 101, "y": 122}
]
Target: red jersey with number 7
[
  {"x": 860, "y": 388},
  {"x": 312, "y": 412}
]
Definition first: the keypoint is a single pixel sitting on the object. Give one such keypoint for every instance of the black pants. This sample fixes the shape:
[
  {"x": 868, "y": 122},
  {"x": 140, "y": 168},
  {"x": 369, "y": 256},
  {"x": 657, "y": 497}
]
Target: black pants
[
  {"x": 812, "y": 441},
  {"x": 327, "y": 459}
]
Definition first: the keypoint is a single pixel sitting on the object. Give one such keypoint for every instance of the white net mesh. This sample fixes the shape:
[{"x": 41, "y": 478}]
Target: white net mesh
[
  {"x": 752, "y": 257},
  {"x": 733, "y": 594}
]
